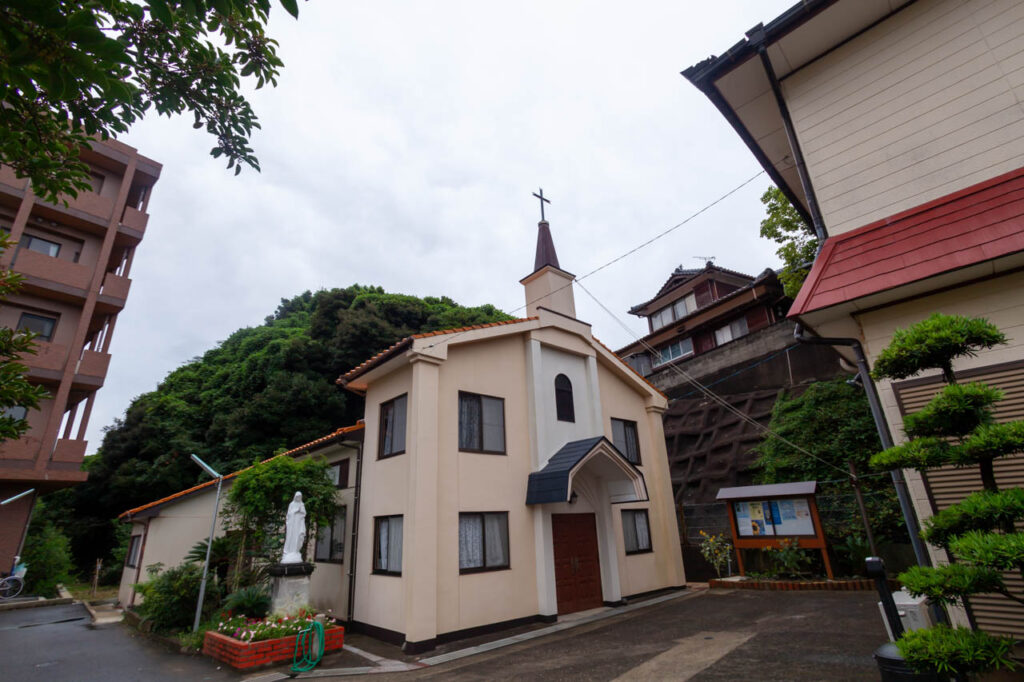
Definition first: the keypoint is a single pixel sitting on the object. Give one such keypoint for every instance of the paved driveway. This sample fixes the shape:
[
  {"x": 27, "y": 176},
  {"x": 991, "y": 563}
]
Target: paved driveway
[
  {"x": 57, "y": 643},
  {"x": 716, "y": 636}
]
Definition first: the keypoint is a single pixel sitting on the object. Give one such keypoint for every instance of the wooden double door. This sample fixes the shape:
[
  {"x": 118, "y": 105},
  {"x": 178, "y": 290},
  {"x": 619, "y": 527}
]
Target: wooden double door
[{"x": 577, "y": 562}]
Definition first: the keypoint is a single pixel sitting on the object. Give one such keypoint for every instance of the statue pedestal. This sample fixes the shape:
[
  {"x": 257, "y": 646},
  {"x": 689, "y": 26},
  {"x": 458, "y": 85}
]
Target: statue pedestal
[{"x": 290, "y": 587}]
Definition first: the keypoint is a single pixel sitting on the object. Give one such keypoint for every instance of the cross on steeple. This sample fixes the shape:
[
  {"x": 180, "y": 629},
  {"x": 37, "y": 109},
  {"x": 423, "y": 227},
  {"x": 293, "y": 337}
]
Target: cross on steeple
[{"x": 542, "y": 202}]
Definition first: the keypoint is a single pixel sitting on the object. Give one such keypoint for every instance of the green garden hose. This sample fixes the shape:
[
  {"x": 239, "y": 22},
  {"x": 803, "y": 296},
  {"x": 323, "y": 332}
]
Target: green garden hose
[{"x": 306, "y": 640}]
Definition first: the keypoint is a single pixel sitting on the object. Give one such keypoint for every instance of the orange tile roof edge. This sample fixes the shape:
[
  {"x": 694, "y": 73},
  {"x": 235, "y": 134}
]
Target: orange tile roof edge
[
  {"x": 404, "y": 343},
  {"x": 629, "y": 367},
  {"x": 182, "y": 493}
]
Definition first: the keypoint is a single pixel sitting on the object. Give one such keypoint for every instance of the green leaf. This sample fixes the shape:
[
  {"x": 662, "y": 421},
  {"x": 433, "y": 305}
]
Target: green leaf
[
  {"x": 159, "y": 10},
  {"x": 291, "y": 6}
]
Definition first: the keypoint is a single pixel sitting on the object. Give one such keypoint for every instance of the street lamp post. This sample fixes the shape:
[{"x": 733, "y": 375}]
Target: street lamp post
[{"x": 209, "y": 544}]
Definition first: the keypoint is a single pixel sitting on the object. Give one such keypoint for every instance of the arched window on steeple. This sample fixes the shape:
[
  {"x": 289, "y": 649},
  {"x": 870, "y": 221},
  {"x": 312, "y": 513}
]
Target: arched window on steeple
[{"x": 563, "y": 399}]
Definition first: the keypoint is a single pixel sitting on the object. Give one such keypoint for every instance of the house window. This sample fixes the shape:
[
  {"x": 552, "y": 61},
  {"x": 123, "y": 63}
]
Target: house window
[
  {"x": 392, "y": 427},
  {"x": 676, "y": 349},
  {"x": 16, "y": 412},
  {"x": 733, "y": 330},
  {"x": 40, "y": 245},
  {"x": 483, "y": 541},
  {"x": 677, "y": 311},
  {"x": 338, "y": 473},
  {"x": 39, "y": 325},
  {"x": 330, "y": 543},
  {"x": 625, "y": 438},
  {"x": 481, "y": 423},
  {"x": 661, "y": 318},
  {"x": 563, "y": 399},
  {"x": 387, "y": 545},
  {"x": 636, "y": 532},
  {"x": 134, "y": 550}
]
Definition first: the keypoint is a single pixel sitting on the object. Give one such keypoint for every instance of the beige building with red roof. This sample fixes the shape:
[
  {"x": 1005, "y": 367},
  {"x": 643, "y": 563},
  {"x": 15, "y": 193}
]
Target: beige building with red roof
[{"x": 897, "y": 129}]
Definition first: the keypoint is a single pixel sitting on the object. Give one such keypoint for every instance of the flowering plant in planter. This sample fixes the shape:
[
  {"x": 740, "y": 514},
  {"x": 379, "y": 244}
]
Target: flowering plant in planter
[{"x": 260, "y": 629}]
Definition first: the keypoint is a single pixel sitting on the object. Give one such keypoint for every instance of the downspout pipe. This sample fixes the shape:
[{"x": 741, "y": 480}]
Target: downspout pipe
[
  {"x": 757, "y": 37},
  {"x": 920, "y": 552},
  {"x": 355, "y": 536}
]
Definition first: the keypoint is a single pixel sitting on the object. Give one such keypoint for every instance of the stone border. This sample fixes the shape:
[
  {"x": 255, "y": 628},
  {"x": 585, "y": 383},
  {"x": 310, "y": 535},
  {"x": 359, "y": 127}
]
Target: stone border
[
  {"x": 856, "y": 585},
  {"x": 249, "y": 655}
]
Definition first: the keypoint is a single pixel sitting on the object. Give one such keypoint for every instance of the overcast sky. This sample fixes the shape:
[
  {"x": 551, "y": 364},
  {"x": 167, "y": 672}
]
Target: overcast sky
[{"x": 401, "y": 148}]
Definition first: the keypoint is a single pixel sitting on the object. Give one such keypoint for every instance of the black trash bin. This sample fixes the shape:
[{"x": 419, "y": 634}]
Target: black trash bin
[{"x": 894, "y": 669}]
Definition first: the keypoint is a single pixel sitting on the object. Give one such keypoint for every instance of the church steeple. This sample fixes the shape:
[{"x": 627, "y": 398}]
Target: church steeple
[{"x": 548, "y": 286}]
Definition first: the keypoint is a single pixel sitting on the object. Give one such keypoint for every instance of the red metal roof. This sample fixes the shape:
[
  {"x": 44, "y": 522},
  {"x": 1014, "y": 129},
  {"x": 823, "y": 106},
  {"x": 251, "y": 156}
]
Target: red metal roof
[
  {"x": 976, "y": 224},
  {"x": 182, "y": 493}
]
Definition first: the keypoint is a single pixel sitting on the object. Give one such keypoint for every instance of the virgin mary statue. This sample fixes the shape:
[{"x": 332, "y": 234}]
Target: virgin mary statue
[{"x": 294, "y": 531}]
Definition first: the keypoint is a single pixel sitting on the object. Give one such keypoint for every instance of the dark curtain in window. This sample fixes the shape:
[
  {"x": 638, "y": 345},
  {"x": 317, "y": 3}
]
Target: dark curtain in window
[{"x": 563, "y": 399}]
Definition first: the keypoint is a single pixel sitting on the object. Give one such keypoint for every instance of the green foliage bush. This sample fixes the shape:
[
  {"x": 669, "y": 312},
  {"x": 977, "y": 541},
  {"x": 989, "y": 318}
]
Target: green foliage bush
[
  {"x": 170, "y": 597},
  {"x": 933, "y": 343},
  {"x": 981, "y": 510},
  {"x": 48, "y": 556},
  {"x": 955, "y": 650},
  {"x": 252, "y": 601},
  {"x": 788, "y": 560},
  {"x": 716, "y": 549},
  {"x": 956, "y": 411}
]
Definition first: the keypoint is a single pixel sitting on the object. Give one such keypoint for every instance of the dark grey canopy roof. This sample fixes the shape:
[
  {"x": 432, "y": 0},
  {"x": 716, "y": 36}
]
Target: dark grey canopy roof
[{"x": 551, "y": 484}]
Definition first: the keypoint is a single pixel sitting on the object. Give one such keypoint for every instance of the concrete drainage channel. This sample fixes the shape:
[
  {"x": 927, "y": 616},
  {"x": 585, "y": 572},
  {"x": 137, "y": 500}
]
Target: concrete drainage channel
[{"x": 387, "y": 665}]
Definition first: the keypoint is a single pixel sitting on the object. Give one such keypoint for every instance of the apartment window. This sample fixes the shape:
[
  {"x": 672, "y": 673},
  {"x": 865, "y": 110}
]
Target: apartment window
[
  {"x": 676, "y": 349},
  {"x": 483, "y": 541},
  {"x": 39, "y": 325},
  {"x": 677, "y": 311},
  {"x": 387, "y": 545},
  {"x": 338, "y": 473},
  {"x": 134, "y": 550},
  {"x": 636, "y": 533},
  {"x": 330, "y": 542},
  {"x": 563, "y": 399},
  {"x": 733, "y": 330},
  {"x": 16, "y": 412},
  {"x": 392, "y": 427},
  {"x": 481, "y": 423},
  {"x": 40, "y": 245},
  {"x": 626, "y": 439}
]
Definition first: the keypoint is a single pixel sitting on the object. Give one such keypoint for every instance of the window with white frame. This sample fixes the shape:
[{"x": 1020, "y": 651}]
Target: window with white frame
[
  {"x": 392, "y": 427},
  {"x": 481, "y": 423},
  {"x": 338, "y": 473},
  {"x": 733, "y": 330},
  {"x": 330, "y": 541},
  {"x": 676, "y": 311},
  {"x": 636, "y": 531},
  {"x": 387, "y": 545},
  {"x": 483, "y": 541},
  {"x": 674, "y": 350},
  {"x": 40, "y": 245},
  {"x": 626, "y": 439}
]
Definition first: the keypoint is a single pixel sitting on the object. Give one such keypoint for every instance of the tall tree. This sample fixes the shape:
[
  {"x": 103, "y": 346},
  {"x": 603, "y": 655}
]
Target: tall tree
[
  {"x": 72, "y": 70},
  {"x": 783, "y": 225}
]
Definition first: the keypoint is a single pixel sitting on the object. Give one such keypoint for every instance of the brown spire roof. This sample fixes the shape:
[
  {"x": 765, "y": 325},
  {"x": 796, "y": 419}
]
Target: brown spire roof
[{"x": 545, "y": 248}]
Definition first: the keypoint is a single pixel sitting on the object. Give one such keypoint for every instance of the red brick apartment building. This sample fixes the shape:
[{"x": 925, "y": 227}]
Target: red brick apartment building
[{"x": 76, "y": 261}]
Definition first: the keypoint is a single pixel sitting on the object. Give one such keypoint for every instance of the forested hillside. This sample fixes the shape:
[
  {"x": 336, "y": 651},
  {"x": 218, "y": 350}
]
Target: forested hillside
[{"x": 261, "y": 390}]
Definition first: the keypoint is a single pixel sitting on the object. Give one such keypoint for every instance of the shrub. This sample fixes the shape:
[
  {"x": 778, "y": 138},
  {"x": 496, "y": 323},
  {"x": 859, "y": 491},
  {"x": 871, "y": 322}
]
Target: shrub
[
  {"x": 252, "y": 601},
  {"x": 955, "y": 650},
  {"x": 787, "y": 559},
  {"x": 169, "y": 598},
  {"x": 47, "y": 553},
  {"x": 716, "y": 549}
]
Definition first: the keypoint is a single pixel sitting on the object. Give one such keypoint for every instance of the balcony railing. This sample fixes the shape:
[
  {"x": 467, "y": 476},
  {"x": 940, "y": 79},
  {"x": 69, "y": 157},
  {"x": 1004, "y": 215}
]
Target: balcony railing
[
  {"x": 23, "y": 449},
  {"x": 50, "y": 356},
  {"x": 68, "y": 450},
  {"x": 92, "y": 204},
  {"x": 116, "y": 286},
  {"x": 135, "y": 219},
  {"x": 93, "y": 364},
  {"x": 46, "y": 267}
]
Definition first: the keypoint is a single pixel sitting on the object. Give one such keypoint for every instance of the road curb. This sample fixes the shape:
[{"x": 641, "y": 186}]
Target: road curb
[{"x": 37, "y": 603}]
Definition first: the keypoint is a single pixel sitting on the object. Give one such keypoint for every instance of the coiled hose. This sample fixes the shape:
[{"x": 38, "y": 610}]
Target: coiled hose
[{"x": 309, "y": 639}]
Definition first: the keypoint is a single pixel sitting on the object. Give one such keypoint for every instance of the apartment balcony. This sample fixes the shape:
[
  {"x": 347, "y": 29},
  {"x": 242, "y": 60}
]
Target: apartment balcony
[
  {"x": 69, "y": 450},
  {"x": 24, "y": 449},
  {"x": 8, "y": 178},
  {"x": 115, "y": 286},
  {"x": 66, "y": 273},
  {"x": 49, "y": 359},
  {"x": 135, "y": 219},
  {"x": 93, "y": 364},
  {"x": 91, "y": 204}
]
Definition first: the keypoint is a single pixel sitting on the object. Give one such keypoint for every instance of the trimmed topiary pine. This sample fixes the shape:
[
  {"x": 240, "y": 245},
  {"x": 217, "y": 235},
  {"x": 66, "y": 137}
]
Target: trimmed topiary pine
[{"x": 957, "y": 428}]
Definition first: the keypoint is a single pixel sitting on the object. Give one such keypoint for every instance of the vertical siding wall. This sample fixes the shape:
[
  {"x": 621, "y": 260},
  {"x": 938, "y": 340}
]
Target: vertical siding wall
[{"x": 922, "y": 105}]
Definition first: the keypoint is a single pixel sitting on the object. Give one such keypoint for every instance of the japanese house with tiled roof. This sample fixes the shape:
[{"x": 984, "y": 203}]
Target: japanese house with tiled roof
[
  {"x": 513, "y": 472},
  {"x": 897, "y": 130}
]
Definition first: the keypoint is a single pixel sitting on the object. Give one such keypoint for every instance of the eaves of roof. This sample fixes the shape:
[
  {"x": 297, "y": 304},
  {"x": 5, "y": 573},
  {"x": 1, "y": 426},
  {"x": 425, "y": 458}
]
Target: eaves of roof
[
  {"x": 323, "y": 441},
  {"x": 403, "y": 344},
  {"x": 689, "y": 276}
]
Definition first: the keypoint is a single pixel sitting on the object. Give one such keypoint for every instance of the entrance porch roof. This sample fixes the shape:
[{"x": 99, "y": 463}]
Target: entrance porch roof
[{"x": 553, "y": 483}]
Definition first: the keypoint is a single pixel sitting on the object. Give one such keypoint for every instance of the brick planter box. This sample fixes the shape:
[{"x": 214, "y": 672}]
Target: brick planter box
[
  {"x": 246, "y": 656},
  {"x": 864, "y": 584}
]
